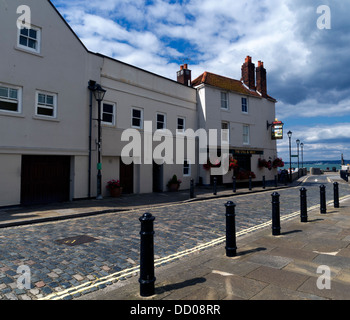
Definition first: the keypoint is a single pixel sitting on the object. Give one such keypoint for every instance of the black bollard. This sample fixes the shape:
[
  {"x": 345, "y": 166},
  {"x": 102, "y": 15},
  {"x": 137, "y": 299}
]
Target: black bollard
[
  {"x": 231, "y": 247},
  {"x": 303, "y": 205},
  {"x": 215, "y": 186},
  {"x": 250, "y": 182},
  {"x": 323, "y": 206},
  {"x": 276, "y": 223},
  {"x": 336, "y": 194},
  {"x": 147, "y": 278},
  {"x": 192, "y": 189},
  {"x": 234, "y": 187},
  {"x": 264, "y": 182}
]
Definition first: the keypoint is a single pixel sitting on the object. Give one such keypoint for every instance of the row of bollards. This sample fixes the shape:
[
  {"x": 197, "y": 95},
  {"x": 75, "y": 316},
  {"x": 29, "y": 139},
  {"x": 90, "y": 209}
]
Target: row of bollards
[{"x": 147, "y": 276}]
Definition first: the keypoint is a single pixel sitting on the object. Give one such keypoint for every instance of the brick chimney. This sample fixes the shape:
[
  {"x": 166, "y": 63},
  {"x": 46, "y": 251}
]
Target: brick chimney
[
  {"x": 261, "y": 85},
  {"x": 248, "y": 73},
  {"x": 184, "y": 76}
]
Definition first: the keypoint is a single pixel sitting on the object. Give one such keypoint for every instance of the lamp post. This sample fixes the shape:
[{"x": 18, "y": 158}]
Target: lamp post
[
  {"x": 298, "y": 144},
  {"x": 290, "y": 155},
  {"x": 302, "y": 155},
  {"x": 99, "y": 94}
]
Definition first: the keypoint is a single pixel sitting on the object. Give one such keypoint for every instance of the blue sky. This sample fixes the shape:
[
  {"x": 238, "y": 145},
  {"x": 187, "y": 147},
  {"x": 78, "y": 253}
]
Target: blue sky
[{"x": 307, "y": 67}]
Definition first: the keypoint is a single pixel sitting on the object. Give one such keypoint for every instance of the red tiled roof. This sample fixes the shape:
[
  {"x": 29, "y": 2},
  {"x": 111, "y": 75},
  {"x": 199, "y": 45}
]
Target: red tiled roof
[{"x": 225, "y": 83}]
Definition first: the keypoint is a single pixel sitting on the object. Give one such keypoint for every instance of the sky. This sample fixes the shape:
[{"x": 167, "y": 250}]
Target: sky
[{"x": 307, "y": 65}]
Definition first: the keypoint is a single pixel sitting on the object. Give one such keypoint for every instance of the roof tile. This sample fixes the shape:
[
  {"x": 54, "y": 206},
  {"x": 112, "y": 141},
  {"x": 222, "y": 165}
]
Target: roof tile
[{"x": 225, "y": 83}]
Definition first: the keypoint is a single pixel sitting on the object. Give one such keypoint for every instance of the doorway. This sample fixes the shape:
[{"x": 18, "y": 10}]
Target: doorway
[
  {"x": 157, "y": 177},
  {"x": 45, "y": 179},
  {"x": 127, "y": 177}
]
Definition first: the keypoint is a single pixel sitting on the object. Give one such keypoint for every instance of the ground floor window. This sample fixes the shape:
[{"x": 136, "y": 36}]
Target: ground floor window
[{"x": 186, "y": 168}]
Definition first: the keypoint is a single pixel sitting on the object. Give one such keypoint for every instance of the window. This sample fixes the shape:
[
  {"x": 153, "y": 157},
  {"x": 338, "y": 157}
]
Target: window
[
  {"x": 181, "y": 125},
  {"x": 29, "y": 39},
  {"x": 244, "y": 105},
  {"x": 225, "y": 133},
  {"x": 108, "y": 113},
  {"x": 137, "y": 118},
  {"x": 46, "y": 104},
  {"x": 187, "y": 168},
  {"x": 161, "y": 121},
  {"x": 10, "y": 99},
  {"x": 246, "y": 134},
  {"x": 224, "y": 100}
]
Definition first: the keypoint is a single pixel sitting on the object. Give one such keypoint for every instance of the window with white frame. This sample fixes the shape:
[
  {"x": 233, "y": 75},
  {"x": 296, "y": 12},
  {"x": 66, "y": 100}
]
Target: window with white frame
[
  {"x": 108, "y": 113},
  {"x": 245, "y": 105},
  {"x": 224, "y": 100},
  {"x": 225, "y": 132},
  {"x": 246, "y": 138},
  {"x": 187, "y": 168},
  {"x": 46, "y": 104},
  {"x": 137, "y": 118},
  {"x": 181, "y": 125},
  {"x": 10, "y": 98},
  {"x": 29, "y": 39},
  {"x": 161, "y": 121}
]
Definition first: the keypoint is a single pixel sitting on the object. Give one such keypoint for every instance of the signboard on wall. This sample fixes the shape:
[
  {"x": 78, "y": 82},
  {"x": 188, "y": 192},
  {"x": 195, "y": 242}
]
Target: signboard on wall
[{"x": 277, "y": 130}]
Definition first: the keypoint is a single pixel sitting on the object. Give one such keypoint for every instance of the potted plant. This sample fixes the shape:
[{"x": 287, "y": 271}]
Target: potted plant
[
  {"x": 244, "y": 174},
  {"x": 114, "y": 188},
  {"x": 174, "y": 183}
]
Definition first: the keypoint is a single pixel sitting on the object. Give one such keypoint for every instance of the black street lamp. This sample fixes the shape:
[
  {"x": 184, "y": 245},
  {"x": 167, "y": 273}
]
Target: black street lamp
[
  {"x": 298, "y": 144},
  {"x": 99, "y": 94},
  {"x": 290, "y": 155},
  {"x": 302, "y": 155}
]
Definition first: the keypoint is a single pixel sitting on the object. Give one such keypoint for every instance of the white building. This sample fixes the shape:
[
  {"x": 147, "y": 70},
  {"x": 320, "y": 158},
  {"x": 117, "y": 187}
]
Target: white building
[
  {"x": 243, "y": 108},
  {"x": 48, "y": 127}
]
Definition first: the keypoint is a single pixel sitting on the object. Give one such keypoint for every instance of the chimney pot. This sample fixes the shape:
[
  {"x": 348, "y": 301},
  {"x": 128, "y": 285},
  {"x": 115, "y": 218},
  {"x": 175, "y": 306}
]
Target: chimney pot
[
  {"x": 248, "y": 73},
  {"x": 184, "y": 76},
  {"x": 261, "y": 82}
]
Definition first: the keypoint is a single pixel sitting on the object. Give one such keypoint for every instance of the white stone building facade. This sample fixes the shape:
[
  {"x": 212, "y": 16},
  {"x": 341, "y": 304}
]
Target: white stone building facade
[{"x": 48, "y": 127}]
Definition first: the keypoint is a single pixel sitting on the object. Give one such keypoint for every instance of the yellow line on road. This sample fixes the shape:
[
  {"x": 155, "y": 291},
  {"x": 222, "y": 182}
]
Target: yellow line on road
[{"x": 158, "y": 262}]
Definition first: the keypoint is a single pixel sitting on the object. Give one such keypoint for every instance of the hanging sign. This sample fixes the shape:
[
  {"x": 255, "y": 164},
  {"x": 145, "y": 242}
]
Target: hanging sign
[{"x": 277, "y": 130}]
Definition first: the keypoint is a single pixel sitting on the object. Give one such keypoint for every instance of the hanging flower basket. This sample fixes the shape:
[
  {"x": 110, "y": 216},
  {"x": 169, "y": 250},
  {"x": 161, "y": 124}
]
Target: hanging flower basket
[
  {"x": 278, "y": 162},
  {"x": 262, "y": 163}
]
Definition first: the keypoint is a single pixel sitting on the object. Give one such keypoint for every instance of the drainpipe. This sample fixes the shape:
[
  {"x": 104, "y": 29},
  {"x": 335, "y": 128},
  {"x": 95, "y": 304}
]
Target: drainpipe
[{"x": 91, "y": 87}]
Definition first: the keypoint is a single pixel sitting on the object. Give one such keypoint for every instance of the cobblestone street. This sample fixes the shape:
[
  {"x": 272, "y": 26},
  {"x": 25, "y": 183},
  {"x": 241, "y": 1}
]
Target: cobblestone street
[{"x": 56, "y": 266}]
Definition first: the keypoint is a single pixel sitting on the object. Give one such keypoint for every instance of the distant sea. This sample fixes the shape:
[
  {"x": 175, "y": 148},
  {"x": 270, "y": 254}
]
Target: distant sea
[{"x": 322, "y": 164}]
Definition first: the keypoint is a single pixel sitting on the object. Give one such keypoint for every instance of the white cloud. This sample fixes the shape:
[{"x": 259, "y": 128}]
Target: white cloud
[
  {"x": 311, "y": 108},
  {"x": 305, "y": 66}
]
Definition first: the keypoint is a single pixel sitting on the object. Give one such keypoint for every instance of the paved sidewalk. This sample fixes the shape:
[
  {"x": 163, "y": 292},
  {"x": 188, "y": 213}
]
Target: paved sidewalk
[
  {"x": 267, "y": 267},
  {"x": 17, "y": 215}
]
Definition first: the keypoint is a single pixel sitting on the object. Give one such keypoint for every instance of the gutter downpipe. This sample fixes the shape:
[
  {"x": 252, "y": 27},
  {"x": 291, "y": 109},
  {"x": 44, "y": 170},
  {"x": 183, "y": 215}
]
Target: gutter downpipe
[{"x": 91, "y": 87}]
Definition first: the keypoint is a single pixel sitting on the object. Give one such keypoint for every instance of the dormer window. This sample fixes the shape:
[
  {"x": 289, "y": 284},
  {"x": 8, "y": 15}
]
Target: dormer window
[{"x": 29, "y": 39}]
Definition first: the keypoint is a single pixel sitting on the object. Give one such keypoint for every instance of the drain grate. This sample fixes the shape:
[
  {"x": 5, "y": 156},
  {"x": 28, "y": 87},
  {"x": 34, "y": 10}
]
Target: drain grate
[{"x": 77, "y": 240}]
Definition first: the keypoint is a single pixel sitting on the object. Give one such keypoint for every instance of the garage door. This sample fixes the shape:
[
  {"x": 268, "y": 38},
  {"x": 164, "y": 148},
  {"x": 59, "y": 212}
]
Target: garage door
[{"x": 45, "y": 179}]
